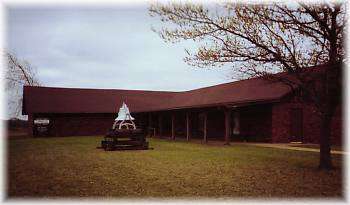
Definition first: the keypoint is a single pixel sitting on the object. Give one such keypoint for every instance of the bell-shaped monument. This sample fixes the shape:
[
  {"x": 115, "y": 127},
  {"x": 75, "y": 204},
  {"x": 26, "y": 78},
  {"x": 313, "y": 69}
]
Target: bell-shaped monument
[
  {"x": 124, "y": 134},
  {"x": 124, "y": 118}
]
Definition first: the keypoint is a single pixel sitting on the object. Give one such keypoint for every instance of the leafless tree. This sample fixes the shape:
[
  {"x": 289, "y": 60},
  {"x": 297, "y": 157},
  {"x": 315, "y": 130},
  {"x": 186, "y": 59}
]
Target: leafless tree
[
  {"x": 19, "y": 73},
  {"x": 261, "y": 39}
]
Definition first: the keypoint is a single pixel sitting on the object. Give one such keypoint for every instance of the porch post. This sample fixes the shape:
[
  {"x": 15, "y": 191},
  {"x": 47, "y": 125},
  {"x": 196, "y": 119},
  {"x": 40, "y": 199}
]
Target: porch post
[
  {"x": 150, "y": 124},
  {"x": 227, "y": 126},
  {"x": 188, "y": 134},
  {"x": 173, "y": 126},
  {"x": 160, "y": 124},
  {"x": 205, "y": 127},
  {"x": 235, "y": 130}
]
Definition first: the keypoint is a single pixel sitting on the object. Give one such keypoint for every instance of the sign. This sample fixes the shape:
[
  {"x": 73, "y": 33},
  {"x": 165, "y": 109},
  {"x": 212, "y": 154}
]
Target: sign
[{"x": 42, "y": 121}]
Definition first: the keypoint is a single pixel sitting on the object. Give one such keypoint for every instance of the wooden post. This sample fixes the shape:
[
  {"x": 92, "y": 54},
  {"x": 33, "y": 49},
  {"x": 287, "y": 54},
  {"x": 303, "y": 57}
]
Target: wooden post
[
  {"x": 227, "y": 126},
  {"x": 160, "y": 125},
  {"x": 188, "y": 133},
  {"x": 205, "y": 127},
  {"x": 150, "y": 124},
  {"x": 173, "y": 126},
  {"x": 235, "y": 129}
]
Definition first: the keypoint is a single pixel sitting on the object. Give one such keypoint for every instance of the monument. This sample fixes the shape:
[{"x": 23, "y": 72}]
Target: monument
[{"x": 124, "y": 135}]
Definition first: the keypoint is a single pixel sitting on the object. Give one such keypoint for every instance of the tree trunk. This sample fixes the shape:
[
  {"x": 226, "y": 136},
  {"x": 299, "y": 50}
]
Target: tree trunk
[{"x": 325, "y": 143}]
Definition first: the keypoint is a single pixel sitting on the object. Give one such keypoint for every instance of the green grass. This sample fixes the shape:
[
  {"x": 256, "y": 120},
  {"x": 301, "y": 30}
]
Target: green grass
[{"x": 73, "y": 167}]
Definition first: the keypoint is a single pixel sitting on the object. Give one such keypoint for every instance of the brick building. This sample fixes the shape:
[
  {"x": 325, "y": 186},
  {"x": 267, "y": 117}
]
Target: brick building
[{"x": 249, "y": 110}]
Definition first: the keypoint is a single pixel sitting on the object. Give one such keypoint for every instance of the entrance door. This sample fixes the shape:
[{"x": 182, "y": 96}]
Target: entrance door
[{"x": 296, "y": 125}]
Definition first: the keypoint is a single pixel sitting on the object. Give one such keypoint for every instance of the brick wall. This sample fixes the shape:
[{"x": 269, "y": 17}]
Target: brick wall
[
  {"x": 311, "y": 123},
  {"x": 78, "y": 124},
  {"x": 258, "y": 123}
]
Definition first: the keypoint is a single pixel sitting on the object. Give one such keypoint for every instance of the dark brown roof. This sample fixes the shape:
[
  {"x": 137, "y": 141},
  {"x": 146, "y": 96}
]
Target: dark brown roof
[{"x": 74, "y": 100}]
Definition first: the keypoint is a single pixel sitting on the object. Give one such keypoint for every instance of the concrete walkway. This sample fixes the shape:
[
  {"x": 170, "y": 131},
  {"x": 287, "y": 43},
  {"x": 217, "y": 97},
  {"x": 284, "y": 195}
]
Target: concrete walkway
[
  {"x": 269, "y": 145},
  {"x": 288, "y": 146}
]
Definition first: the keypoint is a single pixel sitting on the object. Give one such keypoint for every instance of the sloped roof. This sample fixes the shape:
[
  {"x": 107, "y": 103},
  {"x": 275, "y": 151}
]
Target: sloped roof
[{"x": 76, "y": 100}]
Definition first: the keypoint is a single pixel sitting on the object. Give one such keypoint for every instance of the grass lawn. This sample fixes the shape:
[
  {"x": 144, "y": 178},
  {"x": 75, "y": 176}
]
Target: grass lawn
[{"x": 73, "y": 167}]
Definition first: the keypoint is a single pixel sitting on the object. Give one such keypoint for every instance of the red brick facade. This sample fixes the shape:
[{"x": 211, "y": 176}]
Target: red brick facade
[
  {"x": 258, "y": 123},
  {"x": 281, "y": 128},
  {"x": 78, "y": 124}
]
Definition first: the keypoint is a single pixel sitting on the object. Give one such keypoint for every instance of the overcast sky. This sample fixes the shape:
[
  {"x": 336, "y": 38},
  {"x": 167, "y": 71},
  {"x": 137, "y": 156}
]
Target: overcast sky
[{"x": 101, "y": 47}]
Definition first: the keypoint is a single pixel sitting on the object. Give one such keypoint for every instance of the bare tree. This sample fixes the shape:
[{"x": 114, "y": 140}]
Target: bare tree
[
  {"x": 19, "y": 73},
  {"x": 258, "y": 40}
]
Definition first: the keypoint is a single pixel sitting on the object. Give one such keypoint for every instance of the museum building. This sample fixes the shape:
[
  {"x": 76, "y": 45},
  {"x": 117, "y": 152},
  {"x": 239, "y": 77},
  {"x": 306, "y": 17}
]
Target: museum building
[{"x": 253, "y": 110}]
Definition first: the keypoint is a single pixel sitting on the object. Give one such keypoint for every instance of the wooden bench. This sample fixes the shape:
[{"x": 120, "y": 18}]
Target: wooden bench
[{"x": 125, "y": 139}]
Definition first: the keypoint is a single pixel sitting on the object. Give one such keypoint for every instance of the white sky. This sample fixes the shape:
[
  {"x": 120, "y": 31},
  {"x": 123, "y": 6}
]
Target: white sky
[{"x": 102, "y": 47}]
